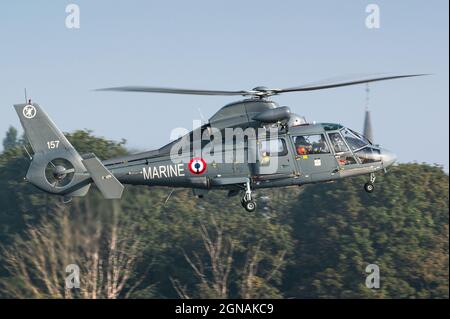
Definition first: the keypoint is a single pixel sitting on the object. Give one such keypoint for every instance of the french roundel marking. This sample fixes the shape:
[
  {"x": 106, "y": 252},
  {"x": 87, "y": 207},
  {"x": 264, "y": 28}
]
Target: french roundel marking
[{"x": 197, "y": 165}]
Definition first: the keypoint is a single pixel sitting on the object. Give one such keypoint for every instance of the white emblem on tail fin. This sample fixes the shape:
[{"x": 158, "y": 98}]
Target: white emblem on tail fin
[{"x": 29, "y": 111}]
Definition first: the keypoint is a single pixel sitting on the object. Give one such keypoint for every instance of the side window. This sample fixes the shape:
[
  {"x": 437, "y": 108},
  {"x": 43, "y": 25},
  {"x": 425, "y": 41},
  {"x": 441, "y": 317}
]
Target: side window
[
  {"x": 272, "y": 147},
  {"x": 338, "y": 143},
  {"x": 311, "y": 144},
  {"x": 345, "y": 159},
  {"x": 343, "y": 154}
]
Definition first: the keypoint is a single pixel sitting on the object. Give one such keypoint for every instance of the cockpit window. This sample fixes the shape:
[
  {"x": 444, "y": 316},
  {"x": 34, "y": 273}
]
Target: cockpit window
[
  {"x": 311, "y": 144},
  {"x": 354, "y": 140},
  {"x": 360, "y": 136},
  {"x": 337, "y": 142}
]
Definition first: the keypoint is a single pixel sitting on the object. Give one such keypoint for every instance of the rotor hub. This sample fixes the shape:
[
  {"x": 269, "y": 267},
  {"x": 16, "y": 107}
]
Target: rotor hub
[{"x": 59, "y": 172}]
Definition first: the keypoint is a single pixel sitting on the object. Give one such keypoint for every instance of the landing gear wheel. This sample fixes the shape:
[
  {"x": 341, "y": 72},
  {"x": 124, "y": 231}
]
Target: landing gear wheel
[
  {"x": 369, "y": 187},
  {"x": 249, "y": 206},
  {"x": 247, "y": 201}
]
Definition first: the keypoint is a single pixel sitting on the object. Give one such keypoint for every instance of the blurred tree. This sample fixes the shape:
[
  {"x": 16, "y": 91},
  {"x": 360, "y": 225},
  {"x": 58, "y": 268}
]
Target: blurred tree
[
  {"x": 10, "y": 140},
  {"x": 402, "y": 227},
  {"x": 236, "y": 256},
  {"x": 21, "y": 203},
  {"x": 103, "y": 245},
  {"x": 307, "y": 242}
]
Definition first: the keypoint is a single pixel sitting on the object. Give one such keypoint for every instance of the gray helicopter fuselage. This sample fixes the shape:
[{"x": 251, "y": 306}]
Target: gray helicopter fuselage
[{"x": 337, "y": 156}]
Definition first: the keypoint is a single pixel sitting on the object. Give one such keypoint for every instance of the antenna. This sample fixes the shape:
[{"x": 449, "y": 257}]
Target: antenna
[
  {"x": 201, "y": 116},
  {"x": 168, "y": 196},
  {"x": 28, "y": 153},
  {"x": 26, "y": 98}
]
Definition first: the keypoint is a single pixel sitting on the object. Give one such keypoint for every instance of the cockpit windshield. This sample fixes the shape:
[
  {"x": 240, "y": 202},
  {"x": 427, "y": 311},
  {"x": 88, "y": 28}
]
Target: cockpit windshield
[
  {"x": 362, "y": 137},
  {"x": 354, "y": 140}
]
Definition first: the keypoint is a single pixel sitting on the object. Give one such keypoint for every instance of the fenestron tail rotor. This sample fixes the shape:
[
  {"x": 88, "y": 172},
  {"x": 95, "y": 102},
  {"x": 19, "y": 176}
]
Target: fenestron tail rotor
[
  {"x": 59, "y": 172},
  {"x": 261, "y": 91}
]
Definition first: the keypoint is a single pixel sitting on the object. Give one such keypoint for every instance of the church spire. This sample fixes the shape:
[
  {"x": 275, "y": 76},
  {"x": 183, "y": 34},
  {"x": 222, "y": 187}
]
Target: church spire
[
  {"x": 368, "y": 126},
  {"x": 367, "y": 130}
]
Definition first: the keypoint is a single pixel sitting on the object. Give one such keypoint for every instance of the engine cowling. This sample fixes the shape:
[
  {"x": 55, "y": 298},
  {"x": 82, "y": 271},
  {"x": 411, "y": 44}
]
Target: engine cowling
[
  {"x": 296, "y": 120},
  {"x": 279, "y": 114}
]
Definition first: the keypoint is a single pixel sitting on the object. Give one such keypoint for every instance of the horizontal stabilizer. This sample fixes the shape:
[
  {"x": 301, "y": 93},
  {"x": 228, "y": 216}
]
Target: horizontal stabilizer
[{"x": 106, "y": 182}]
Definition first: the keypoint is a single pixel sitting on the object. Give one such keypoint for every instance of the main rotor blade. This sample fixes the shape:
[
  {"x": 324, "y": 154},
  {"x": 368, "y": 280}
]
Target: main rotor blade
[
  {"x": 263, "y": 91},
  {"x": 151, "y": 89},
  {"x": 334, "y": 83}
]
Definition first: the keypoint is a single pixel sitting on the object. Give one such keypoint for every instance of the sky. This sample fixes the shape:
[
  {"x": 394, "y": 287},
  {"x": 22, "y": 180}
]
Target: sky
[{"x": 229, "y": 45}]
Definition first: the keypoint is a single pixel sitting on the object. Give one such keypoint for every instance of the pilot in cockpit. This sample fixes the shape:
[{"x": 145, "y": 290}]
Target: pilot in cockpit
[
  {"x": 320, "y": 146},
  {"x": 338, "y": 143},
  {"x": 302, "y": 146}
]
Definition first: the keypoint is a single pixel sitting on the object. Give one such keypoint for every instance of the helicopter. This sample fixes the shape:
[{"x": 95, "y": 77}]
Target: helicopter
[{"x": 267, "y": 146}]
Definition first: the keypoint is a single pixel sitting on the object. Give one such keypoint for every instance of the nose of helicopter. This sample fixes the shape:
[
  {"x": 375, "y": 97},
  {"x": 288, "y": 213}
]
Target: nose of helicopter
[{"x": 388, "y": 157}]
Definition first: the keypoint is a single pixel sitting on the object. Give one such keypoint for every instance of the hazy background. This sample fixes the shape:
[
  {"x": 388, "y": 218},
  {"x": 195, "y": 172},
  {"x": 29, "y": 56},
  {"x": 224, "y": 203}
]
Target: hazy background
[{"x": 228, "y": 45}]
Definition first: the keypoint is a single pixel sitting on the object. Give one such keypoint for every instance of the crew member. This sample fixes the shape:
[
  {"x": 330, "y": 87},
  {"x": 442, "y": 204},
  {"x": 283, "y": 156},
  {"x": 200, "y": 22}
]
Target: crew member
[{"x": 302, "y": 146}]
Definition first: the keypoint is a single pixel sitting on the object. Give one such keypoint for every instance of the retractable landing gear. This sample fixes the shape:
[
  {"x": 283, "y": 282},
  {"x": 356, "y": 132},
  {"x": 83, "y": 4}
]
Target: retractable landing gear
[
  {"x": 369, "y": 187},
  {"x": 247, "y": 201}
]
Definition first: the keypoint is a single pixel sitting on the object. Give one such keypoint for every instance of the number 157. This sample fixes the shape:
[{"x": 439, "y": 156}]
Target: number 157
[{"x": 52, "y": 144}]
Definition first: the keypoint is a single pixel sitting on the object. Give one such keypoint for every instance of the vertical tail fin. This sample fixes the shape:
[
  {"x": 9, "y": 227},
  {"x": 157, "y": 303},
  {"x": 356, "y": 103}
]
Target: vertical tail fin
[
  {"x": 40, "y": 129},
  {"x": 56, "y": 166}
]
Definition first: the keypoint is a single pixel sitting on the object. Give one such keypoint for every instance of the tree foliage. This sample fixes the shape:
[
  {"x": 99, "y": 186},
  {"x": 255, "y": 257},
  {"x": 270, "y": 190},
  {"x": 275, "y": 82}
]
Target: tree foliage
[
  {"x": 10, "y": 140},
  {"x": 102, "y": 244},
  {"x": 402, "y": 227},
  {"x": 310, "y": 242}
]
